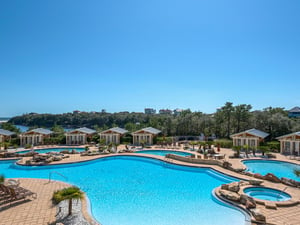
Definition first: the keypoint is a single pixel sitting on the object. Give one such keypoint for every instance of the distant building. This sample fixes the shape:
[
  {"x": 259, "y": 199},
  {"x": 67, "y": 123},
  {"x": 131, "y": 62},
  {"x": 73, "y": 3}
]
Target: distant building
[
  {"x": 290, "y": 143},
  {"x": 5, "y": 135},
  {"x": 150, "y": 111},
  {"x": 79, "y": 136},
  {"x": 76, "y": 111},
  {"x": 294, "y": 112},
  {"x": 177, "y": 111},
  {"x": 112, "y": 135},
  {"x": 145, "y": 136},
  {"x": 251, "y": 137},
  {"x": 35, "y": 136},
  {"x": 165, "y": 111}
]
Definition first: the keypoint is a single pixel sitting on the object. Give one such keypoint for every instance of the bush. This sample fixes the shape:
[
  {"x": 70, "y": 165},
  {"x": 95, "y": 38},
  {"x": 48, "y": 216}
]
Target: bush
[
  {"x": 274, "y": 146},
  {"x": 27, "y": 146},
  {"x": 224, "y": 143}
]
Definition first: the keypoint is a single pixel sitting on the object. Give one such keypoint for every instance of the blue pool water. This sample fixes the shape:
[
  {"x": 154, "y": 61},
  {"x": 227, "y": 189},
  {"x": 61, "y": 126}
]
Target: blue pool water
[
  {"x": 163, "y": 152},
  {"x": 269, "y": 194},
  {"x": 278, "y": 168},
  {"x": 138, "y": 191},
  {"x": 46, "y": 150}
]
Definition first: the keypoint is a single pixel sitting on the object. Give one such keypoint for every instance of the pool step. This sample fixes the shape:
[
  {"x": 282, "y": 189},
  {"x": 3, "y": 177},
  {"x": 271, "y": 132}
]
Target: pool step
[{"x": 270, "y": 205}]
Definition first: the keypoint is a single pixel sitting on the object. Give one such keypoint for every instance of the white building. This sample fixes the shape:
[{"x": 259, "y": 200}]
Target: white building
[
  {"x": 79, "y": 136},
  {"x": 290, "y": 143},
  {"x": 251, "y": 137},
  {"x": 112, "y": 135},
  {"x": 35, "y": 136},
  {"x": 145, "y": 136},
  {"x": 5, "y": 135}
]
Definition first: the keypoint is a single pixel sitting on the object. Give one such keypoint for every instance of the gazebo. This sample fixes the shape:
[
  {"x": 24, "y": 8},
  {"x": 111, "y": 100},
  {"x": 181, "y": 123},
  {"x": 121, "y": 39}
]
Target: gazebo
[
  {"x": 112, "y": 135},
  {"x": 35, "y": 136},
  {"x": 79, "y": 136},
  {"x": 5, "y": 135},
  {"x": 251, "y": 137},
  {"x": 145, "y": 136},
  {"x": 290, "y": 143}
]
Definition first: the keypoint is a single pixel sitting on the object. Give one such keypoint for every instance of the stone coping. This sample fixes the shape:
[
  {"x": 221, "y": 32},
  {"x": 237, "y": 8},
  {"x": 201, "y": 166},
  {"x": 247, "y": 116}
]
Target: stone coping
[
  {"x": 291, "y": 202},
  {"x": 241, "y": 207},
  {"x": 269, "y": 159}
]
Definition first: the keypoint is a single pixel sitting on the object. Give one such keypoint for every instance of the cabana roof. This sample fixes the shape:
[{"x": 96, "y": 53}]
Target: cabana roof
[
  {"x": 115, "y": 130},
  {"x": 150, "y": 130},
  {"x": 289, "y": 135},
  {"x": 84, "y": 130},
  {"x": 295, "y": 109},
  {"x": 39, "y": 131},
  {"x": 253, "y": 132},
  {"x": 6, "y": 132}
]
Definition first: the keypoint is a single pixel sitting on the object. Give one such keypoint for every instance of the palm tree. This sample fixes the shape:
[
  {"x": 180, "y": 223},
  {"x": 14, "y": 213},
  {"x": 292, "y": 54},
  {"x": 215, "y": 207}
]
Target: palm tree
[
  {"x": 297, "y": 172},
  {"x": 193, "y": 143},
  {"x": 68, "y": 194},
  {"x": 237, "y": 149}
]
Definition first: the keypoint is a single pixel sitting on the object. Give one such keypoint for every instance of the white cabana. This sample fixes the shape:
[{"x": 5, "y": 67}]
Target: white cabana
[
  {"x": 35, "y": 136},
  {"x": 145, "y": 136},
  {"x": 79, "y": 136},
  {"x": 251, "y": 137},
  {"x": 290, "y": 143},
  {"x": 112, "y": 135}
]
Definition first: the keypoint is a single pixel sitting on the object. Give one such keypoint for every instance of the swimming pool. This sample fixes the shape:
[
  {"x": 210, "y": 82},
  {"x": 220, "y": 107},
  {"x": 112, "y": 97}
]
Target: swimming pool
[
  {"x": 269, "y": 194},
  {"x": 164, "y": 152},
  {"x": 46, "y": 150},
  {"x": 132, "y": 190},
  {"x": 278, "y": 168}
]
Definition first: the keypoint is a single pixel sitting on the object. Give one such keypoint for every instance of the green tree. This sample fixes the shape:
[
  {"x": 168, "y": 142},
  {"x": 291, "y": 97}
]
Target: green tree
[
  {"x": 69, "y": 194},
  {"x": 10, "y": 127},
  {"x": 241, "y": 116}
]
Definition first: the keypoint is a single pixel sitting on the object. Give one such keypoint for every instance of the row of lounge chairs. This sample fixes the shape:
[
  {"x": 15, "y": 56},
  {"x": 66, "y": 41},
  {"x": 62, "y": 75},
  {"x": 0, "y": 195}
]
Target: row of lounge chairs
[{"x": 12, "y": 193}]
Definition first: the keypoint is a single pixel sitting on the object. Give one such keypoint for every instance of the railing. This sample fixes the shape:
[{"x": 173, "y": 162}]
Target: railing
[
  {"x": 280, "y": 193},
  {"x": 50, "y": 175}
]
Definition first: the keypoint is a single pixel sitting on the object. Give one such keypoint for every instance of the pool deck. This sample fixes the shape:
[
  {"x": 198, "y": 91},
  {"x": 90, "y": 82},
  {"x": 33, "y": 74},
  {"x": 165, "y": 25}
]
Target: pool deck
[{"x": 42, "y": 211}]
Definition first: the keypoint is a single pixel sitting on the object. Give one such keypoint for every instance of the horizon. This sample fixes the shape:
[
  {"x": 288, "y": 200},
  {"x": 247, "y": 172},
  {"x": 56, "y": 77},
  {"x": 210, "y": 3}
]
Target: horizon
[{"x": 61, "y": 56}]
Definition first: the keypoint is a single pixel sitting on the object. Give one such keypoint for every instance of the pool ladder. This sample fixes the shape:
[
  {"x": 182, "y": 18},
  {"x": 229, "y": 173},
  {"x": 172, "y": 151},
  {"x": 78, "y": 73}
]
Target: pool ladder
[
  {"x": 50, "y": 175},
  {"x": 281, "y": 192}
]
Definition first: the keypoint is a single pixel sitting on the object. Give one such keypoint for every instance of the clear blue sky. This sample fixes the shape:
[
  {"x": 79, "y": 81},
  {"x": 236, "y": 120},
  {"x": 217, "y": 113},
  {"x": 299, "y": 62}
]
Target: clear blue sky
[{"x": 124, "y": 55}]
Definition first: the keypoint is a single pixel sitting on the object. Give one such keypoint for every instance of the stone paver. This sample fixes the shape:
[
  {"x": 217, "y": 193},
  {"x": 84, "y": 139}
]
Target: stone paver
[{"x": 36, "y": 211}]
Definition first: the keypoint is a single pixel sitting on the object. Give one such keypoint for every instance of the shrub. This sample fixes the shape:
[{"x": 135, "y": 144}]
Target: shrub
[{"x": 224, "y": 143}]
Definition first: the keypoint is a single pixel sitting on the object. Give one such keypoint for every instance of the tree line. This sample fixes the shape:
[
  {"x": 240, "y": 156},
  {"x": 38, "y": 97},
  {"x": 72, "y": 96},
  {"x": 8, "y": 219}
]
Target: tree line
[{"x": 225, "y": 121}]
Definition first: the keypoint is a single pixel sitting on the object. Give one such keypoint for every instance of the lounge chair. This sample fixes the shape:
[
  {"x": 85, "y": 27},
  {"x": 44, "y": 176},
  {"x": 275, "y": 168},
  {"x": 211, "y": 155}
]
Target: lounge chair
[{"x": 14, "y": 193}]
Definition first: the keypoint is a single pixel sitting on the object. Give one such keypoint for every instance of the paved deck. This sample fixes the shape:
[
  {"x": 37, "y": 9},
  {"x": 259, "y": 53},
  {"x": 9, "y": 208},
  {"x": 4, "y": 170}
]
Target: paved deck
[{"x": 41, "y": 210}]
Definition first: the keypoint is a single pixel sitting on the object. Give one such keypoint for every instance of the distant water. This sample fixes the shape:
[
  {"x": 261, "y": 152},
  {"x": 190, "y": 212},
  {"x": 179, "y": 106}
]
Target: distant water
[
  {"x": 22, "y": 128},
  {"x": 4, "y": 119},
  {"x": 26, "y": 128}
]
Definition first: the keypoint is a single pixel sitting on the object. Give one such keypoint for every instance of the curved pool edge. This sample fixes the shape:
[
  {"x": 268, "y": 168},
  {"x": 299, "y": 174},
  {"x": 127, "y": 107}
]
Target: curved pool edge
[
  {"x": 288, "y": 203},
  {"x": 270, "y": 160},
  {"x": 223, "y": 201},
  {"x": 151, "y": 159},
  {"x": 140, "y": 155}
]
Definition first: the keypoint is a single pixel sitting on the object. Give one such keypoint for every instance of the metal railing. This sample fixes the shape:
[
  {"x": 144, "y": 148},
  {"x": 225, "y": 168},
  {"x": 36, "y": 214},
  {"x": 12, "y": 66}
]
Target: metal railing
[
  {"x": 280, "y": 193},
  {"x": 50, "y": 175}
]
